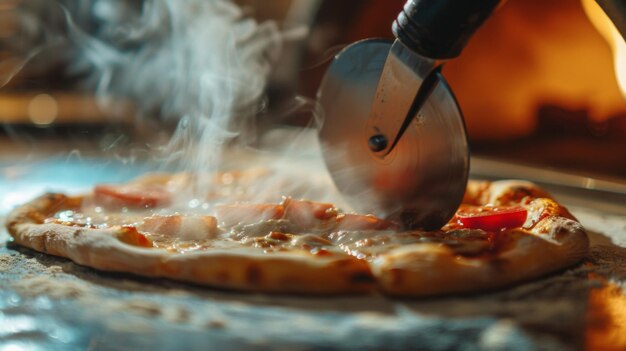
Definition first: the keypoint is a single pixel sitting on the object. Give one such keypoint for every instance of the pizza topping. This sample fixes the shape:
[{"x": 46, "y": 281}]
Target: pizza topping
[
  {"x": 130, "y": 236},
  {"x": 243, "y": 214},
  {"x": 317, "y": 251},
  {"x": 271, "y": 240},
  {"x": 490, "y": 218},
  {"x": 368, "y": 244},
  {"x": 349, "y": 221},
  {"x": 90, "y": 217},
  {"x": 132, "y": 195},
  {"x": 263, "y": 242},
  {"x": 72, "y": 224},
  {"x": 365, "y": 244},
  {"x": 309, "y": 240},
  {"x": 278, "y": 236},
  {"x": 161, "y": 225},
  {"x": 241, "y": 232},
  {"x": 351, "y": 237},
  {"x": 181, "y": 227},
  {"x": 283, "y": 241},
  {"x": 197, "y": 228},
  {"x": 73, "y": 218},
  {"x": 308, "y": 214}
]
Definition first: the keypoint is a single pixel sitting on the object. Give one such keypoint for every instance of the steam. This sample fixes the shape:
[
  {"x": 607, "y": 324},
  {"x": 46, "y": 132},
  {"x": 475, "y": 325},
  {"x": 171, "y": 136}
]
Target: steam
[
  {"x": 192, "y": 58},
  {"x": 172, "y": 58},
  {"x": 293, "y": 155},
  {"x": 198, "y": 63}
]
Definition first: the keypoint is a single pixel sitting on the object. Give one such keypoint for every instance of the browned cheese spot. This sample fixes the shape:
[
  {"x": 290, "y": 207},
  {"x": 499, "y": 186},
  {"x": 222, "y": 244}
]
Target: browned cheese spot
[
  {"x": 321, "y": 252},
  {"x": 278, "y": 236},
  {"x": 520, "y": 192}
]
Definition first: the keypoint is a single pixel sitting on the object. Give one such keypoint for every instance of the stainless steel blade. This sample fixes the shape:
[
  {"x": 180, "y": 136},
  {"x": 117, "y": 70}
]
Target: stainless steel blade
[
  {"x": 422, "y": 180},
  {"x": 400, "y": 82}
]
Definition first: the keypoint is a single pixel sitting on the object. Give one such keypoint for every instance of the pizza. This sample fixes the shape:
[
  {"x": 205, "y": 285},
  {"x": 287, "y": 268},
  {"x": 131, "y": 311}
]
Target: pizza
[{"x": 504, "y": 233}]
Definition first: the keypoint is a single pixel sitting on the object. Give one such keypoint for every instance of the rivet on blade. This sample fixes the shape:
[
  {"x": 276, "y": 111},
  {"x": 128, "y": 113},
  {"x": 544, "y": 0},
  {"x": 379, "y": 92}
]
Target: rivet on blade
[{"x": 377, "y": 142}]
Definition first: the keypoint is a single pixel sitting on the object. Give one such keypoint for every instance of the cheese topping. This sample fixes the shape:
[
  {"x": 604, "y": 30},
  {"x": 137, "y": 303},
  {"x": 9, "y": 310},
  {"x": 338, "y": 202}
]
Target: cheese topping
[{"x": 274, "y": 227}]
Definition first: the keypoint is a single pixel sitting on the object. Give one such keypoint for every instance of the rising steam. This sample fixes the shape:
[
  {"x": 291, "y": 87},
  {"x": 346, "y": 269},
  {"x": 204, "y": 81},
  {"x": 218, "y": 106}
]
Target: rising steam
[
  {"x": 171, "y": 57},
  {"x": 200, "y": 63}
]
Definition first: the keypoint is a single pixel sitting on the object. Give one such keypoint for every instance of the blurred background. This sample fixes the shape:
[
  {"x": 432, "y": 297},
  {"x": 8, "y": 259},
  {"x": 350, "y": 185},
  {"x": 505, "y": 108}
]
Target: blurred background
[{"x": 538, "y": 84}]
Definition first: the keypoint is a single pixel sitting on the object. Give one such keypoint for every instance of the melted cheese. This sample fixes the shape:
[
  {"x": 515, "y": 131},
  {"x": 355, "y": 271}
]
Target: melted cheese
[{"x": 182, "y": 233}]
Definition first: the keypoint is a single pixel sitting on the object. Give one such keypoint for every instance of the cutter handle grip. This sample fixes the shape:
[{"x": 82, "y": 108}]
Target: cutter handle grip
[{"x": 439, "y": 29}]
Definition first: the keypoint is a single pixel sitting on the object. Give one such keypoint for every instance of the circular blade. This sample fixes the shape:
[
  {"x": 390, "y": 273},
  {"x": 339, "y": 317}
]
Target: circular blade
[{"x": 422, "y": 181}]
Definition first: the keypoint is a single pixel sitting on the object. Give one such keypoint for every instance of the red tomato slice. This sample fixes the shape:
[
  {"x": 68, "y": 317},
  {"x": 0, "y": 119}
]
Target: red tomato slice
[
  {"x": 147, "y": 196},
  {"x": 492, "y": 219}
]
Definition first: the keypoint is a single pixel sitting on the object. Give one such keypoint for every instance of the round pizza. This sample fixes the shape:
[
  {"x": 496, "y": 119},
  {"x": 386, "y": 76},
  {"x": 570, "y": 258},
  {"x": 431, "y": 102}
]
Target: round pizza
[{"x": 505, "y": 232}]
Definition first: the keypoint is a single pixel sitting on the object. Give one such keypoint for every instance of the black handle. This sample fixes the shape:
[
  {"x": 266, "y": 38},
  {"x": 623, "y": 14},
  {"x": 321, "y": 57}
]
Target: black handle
[
  {"x": 616, "y": 10},
  {"x": 439, "y": 29}
]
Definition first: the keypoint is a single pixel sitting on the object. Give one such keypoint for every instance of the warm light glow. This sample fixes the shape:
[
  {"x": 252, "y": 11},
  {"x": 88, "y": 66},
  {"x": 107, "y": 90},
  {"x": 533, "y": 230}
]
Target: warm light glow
[
  {"x": 532, "y": 55},
  {"x": 43, "y": 109},
  {"x": 608, "y": 30},
  {"x": 606, "y": 318},
  {"x": 620, "y": 65}
]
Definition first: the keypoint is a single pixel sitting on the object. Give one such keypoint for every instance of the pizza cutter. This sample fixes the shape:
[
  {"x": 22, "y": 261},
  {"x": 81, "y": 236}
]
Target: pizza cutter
[{"x": 393, "y": 136}]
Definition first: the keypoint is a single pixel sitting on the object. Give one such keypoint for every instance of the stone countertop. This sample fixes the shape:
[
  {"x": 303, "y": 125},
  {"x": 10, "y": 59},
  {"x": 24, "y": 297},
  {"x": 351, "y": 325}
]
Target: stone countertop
[{"x": 50, "y": 303}]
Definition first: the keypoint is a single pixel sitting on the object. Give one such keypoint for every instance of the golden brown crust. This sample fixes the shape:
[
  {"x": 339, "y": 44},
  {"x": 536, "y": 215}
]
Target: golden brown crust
[{"x": 551, "y": 239}]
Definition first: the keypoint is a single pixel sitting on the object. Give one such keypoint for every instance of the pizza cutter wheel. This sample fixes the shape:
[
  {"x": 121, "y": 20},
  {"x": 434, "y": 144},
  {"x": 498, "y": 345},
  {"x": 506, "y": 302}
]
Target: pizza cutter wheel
[{"x": 421, "y": 182}]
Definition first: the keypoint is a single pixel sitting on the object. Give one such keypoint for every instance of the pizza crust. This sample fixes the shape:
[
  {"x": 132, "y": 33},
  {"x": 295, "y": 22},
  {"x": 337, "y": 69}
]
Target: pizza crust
[
  {"x": 550, "y": 240},
  {"x": 555, "y": 242},
  {"x": 427, "y": 270}
]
